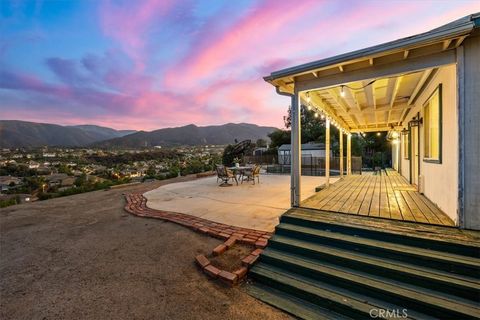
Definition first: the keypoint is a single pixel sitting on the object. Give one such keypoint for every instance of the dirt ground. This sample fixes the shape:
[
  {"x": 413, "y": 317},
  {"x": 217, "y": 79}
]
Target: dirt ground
[
  {"x": 84, "y": 257},
  {"x": 230, "y": 260}
]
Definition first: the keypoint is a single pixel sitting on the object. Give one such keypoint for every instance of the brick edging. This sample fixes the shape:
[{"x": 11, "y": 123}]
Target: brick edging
[
  {"x": 231, "y": 278},
  {"x": 137, "y": 205}
]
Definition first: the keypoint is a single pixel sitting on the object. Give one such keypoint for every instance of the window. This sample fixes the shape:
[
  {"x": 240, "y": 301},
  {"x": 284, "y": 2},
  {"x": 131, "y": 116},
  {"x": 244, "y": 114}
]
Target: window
[
  {"x": 406, "y": 145},
  {"x": 432, "y": 126}
]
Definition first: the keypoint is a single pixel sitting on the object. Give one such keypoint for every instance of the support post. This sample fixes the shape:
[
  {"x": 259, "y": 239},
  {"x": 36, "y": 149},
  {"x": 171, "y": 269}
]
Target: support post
[
  {"x": 349, "y": 154},
  {"x": 461, "y": 135},
  {"x": 327, "y": 153},
  {"x": 296, "y": 152},
  {"x": 340, "y": 140}
]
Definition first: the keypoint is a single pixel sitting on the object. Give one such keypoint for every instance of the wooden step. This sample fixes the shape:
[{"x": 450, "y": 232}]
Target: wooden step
[
  {"x": 456, "y": 285},
  {"x": 440, "y": 260},
  {"x": 397, "y": 235},
  {"x": 407, "y": 228},
  {"x": 323, "y": 295},
  {"x": 408, "y": 296},
  {"x": 291, "y": 304}
]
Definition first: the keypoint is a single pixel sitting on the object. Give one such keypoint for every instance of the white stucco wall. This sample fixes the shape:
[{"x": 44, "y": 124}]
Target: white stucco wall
[
  {"x": 441, "y": 180},
  {"x": 395, "y": 154}
]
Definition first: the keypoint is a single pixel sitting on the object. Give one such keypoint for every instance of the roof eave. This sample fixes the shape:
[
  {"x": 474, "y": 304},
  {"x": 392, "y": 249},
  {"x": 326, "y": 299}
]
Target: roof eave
[{"x": 426, "y": 38}]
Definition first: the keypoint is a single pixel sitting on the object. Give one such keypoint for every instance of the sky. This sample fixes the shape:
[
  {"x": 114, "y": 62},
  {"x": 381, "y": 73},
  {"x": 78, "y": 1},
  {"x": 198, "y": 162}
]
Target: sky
[{"x": 152, "y": 64}]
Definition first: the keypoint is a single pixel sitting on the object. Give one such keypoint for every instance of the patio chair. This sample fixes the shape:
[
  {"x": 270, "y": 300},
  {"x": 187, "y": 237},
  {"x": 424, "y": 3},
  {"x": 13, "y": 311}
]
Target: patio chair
[
  {"x": 220, "y": 171},
  {"x": 251, "y": 174},
  {"x": 225, "y": 174}
]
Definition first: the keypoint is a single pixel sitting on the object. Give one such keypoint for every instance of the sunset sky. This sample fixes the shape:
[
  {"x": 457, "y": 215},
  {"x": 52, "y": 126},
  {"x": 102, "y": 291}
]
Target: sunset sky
[{"x": 153, "y": 64}]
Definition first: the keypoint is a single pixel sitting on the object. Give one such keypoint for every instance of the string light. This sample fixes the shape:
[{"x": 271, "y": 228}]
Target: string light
[
  {"x": 342, "y": 91},
  {"x": 308, "y": 98},
  {"x": 324, "y": 117}
]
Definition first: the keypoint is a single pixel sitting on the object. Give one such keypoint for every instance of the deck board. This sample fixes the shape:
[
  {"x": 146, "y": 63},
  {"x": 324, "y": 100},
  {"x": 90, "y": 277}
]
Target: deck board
[
  {"x": 386, "y": 194},
  {"x": 349, "y": 193},
  {"x": 384, "y": 202},
  {"x": 375, "y": 204},
  {"x": 359, "y": 186},
  {"x": 365, "y": 206},
  {"x": 392, "y": 201}
]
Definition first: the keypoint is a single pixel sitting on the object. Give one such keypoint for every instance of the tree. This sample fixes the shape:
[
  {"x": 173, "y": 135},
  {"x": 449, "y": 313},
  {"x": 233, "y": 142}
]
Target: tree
[
  {"x": 34, "y": 183},
  {"x": 151, "y": 171},
  {"x": 81, "y": 180},
  {"x": 313, "y": 128},
  {"x": 63, "y": 168},
  {"x": 279, "y": 137},
  {"x": 261, "y": 143},
  {"x": 230, "y": 153}
]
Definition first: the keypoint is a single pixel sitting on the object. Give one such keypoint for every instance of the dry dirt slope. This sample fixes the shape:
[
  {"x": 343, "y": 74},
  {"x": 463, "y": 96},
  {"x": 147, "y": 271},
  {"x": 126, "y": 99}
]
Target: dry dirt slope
[{"x": 83, "y": 257}]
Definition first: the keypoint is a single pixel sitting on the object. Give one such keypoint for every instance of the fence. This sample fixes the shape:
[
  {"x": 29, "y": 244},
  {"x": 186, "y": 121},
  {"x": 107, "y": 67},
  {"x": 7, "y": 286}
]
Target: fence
[
  {"x": 315, "y": 166},
  {"x": 264, "y": 159}
]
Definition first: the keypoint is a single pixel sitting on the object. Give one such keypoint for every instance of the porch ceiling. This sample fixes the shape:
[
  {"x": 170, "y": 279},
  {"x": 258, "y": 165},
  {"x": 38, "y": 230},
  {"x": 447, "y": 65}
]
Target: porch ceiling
[{"x": 371, "y": 105}]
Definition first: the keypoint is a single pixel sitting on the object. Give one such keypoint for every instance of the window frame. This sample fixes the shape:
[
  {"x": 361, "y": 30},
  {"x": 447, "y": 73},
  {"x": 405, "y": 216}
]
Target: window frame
[
  {"x": 406, "y": 145},
  {"x": 440, "y": 125}
]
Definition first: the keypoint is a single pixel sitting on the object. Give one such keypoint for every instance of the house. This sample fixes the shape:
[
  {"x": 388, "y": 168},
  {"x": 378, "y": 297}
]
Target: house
[
  {"x": 311, "y": 149},
  {"x": 424, "y": 90},
  {"x": 60, "y": 179},
  {"x": 49, "y": 154},
  {"x": 375, "y": 245},
  {"x": 33, "y": 165},
  {"x": 8, "y": 182}
]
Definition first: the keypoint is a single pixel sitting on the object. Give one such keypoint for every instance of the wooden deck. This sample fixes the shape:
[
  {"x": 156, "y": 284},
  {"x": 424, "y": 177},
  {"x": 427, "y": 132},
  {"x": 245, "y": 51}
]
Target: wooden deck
[{"x": 385, "y": 195}]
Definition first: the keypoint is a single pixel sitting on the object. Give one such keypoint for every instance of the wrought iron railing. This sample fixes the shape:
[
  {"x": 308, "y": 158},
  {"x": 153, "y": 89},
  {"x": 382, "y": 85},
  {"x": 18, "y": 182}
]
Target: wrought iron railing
[{"x": 315, "y": 166}]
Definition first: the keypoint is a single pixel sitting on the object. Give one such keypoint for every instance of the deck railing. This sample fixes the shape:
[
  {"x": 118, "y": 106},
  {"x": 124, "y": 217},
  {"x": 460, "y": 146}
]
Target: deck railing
[{"x": 315, "y": 166}]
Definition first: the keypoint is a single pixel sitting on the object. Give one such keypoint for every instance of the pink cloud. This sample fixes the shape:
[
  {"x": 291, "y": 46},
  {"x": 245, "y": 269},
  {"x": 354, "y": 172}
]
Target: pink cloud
[
  {"x": 242, "y": 39},
  {"x": 277, "y": 34},
  {"x": 128, "y": 24}
]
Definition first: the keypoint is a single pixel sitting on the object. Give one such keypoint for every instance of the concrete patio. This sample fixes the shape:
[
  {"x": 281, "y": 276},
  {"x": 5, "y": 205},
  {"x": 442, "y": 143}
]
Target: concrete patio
[{"x": 250, "y": 206}]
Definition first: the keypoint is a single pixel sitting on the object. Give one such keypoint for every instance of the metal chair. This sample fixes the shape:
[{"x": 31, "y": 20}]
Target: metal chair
[
  {"x": 225, "y": 174},
  {"x": 252, "y": 173}
]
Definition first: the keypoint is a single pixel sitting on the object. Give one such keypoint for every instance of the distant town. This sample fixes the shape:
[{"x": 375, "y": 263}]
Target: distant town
[{"x": 37, "y": 174}]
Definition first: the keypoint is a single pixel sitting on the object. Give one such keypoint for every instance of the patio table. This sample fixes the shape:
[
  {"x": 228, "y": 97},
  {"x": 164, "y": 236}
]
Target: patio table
[{"x": 239, "y": 170}]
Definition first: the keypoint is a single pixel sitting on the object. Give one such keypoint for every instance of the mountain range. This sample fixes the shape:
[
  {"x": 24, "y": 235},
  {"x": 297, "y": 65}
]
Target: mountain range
[{"x": 22, "y": 134}]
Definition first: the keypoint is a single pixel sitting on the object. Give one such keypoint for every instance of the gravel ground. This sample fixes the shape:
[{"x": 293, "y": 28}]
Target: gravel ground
[{"x": 84, "y": 257}]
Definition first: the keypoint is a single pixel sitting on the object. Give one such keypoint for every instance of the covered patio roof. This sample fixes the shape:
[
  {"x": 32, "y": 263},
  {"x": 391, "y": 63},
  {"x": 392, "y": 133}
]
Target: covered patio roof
[{"x": 373, "y": 89}]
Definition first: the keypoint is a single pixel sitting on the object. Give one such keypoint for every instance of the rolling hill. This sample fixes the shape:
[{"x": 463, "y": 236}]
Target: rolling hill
[
  {"x": 190, "y": 135},
  {"x": 23, "y": 134}
]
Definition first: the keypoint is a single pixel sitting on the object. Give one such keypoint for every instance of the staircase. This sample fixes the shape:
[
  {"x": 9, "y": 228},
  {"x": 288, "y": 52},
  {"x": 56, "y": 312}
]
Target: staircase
[{"x": 315, "y": 269}]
